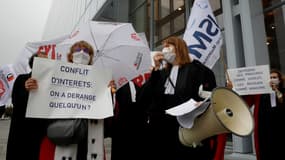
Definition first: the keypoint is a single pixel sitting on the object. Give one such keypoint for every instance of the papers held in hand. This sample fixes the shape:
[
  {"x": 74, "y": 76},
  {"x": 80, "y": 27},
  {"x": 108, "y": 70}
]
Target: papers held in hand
[{"x": 188, "y": 111}]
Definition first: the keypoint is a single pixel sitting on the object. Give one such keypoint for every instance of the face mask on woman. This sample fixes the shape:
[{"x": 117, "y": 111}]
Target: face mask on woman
[
  {"x": 81, "y": 58},
  {"x": 275, "y": 81},
  {"x": 169, "y": 55}
]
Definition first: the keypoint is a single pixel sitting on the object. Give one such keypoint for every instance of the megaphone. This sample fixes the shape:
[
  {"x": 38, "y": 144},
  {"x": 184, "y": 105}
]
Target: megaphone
[{"x": 227, "y": 112}]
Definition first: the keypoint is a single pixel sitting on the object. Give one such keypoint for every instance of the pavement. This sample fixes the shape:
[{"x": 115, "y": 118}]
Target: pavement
[{"x": 4, "y": 130}]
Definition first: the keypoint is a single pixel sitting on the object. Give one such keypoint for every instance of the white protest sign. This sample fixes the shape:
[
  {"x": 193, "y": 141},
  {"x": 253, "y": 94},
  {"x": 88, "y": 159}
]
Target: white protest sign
[
  {"x": 250, "y": 80},
  {"x": 68, "y": 90}
]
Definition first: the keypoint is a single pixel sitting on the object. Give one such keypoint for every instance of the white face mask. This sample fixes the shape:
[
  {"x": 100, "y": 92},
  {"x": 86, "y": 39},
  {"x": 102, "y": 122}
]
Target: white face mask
[
  {"x": 81, "y": 58},
  {"x": 275, "y": 81},
  {"x": 169, "y": 55}
]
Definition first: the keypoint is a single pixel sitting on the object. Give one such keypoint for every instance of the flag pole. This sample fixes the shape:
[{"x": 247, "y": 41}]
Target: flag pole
[{"x": 225, "y": 66}]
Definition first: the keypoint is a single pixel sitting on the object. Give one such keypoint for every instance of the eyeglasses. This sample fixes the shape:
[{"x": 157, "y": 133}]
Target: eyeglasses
[{"x": 78, "y": 49}]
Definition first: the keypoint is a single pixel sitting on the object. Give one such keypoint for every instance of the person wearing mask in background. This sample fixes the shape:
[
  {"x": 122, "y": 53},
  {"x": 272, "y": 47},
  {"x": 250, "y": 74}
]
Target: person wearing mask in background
[
  {"x": 269, "y": 111},
  {"x": 271, "y": 115},
  {"x": 177, "y": 82},
  {"x": 25, "y": 134}
]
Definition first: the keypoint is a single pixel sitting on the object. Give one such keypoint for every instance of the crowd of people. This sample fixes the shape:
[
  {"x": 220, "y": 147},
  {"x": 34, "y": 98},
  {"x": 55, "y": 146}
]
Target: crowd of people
[{"x": 140, "y": 127}]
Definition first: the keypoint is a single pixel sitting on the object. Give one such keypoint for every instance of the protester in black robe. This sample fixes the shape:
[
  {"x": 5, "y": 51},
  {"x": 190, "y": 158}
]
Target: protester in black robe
[
  {"x": 25, "y": 134},
  {"x": 125, "y": 127},
  {"x": 161, "y": 130},
  {"x": 270, "y": 121}
]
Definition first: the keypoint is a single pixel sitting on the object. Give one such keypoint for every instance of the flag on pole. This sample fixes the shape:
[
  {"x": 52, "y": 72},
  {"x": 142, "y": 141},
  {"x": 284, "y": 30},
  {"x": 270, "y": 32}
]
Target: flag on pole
[{"x": 203, "y": 35}]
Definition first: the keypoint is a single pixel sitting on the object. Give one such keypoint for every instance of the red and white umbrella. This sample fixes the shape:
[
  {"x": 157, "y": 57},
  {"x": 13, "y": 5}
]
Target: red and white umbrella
[{"x": 116, "y": 46}]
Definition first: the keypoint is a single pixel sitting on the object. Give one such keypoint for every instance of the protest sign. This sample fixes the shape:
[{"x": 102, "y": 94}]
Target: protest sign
[
  {"x": 250, "y": 80},
  {"x": 68, "y": 90}
]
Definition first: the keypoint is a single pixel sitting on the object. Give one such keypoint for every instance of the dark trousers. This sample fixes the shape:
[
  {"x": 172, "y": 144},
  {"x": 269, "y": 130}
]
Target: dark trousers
[{"x": 2, "y": 110}]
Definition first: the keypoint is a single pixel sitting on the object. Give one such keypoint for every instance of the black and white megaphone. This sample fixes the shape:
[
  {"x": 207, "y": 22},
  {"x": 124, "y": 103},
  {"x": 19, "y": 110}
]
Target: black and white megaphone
[{"x": 227, "y": 113}]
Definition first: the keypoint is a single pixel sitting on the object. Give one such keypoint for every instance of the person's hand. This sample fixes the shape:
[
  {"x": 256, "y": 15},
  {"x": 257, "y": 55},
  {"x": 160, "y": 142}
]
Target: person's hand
[
  {"x": 31, "y": 84},
  {"x": 229, "y": 84},
  {"x": 112, "y": 84},
  {"x": 276, "y": 90},
  {"x": 198, "y": 103},
  {"x": 157, "y": 58}
]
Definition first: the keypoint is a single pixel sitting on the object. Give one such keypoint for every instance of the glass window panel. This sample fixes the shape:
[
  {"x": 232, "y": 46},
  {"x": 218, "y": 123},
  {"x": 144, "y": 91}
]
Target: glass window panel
[
  {"x": 235, "y": 2},
  {"x": 215, "y": 4},
  {"x": 179, "y": 22},
  {"x": 165, "y": 30},
  {"x": 220, "y": 21},
  {"x": 135, "y": 3},
  {"x": 164, "y": 8},
  {"x": 140, "y": 18},
  {"x": 177, "y": 4},
  {"x": 275, "y": 26}
]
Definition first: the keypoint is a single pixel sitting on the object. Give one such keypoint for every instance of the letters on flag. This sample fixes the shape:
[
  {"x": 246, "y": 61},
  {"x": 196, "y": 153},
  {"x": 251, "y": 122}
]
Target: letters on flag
[
  {"x": 50, "y": 47},
  {"x": 203, "y": 35}
]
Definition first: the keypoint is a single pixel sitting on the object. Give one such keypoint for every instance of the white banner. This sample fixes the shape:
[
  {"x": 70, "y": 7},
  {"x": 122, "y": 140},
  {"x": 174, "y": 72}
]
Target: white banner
[
  {"x": 203, "y": 35},
  {"x": 50, "y": 47},
  {"x": 7, "y": 78},
  {"x": 251, "y": 80},
  {"x": 68, "y": 90}
]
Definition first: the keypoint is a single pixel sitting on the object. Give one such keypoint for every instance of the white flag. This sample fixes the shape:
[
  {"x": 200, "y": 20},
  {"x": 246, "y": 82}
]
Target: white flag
[{"x": 203, "y": 35}]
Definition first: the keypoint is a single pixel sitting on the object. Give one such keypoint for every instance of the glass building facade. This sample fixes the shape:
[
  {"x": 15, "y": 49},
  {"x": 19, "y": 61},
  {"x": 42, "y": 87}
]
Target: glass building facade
[{"x": 253, "y": 30}]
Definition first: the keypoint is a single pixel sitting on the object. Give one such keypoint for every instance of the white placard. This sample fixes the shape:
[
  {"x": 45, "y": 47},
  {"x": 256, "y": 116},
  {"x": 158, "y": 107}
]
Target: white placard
[
  {"x": 187, "y": 112},
  {"x": 68, "y": 90},
  {"x": 251, "y": 80}
]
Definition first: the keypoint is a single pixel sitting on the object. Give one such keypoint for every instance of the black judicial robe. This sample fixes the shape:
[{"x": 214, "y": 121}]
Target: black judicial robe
[
  {"x": 125, "y": 127},
  {"x": 25, "y": 134},
  {"x": 270, "y": 130},
  {"x": 268, "y": 123},
  {"x": 161, "y": 129}
]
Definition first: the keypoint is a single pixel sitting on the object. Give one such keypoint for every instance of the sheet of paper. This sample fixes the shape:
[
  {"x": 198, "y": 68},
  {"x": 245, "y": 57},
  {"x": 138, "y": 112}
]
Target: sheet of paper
[
  {"x": 188, "y": 111},
  {"x": 187, "y": 120},
  {"x": 183, "y": 108}
]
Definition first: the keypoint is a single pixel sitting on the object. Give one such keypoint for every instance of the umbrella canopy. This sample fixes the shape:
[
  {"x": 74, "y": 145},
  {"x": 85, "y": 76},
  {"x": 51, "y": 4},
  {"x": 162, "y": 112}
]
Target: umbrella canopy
[{"x": 116, "y": 46}]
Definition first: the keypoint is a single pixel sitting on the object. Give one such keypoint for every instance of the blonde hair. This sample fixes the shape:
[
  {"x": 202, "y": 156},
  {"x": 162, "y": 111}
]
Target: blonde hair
[{"x": 81, "y": 44}]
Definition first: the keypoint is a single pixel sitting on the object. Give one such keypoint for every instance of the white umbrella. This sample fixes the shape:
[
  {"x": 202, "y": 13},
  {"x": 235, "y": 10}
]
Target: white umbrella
[
  {"x": 116, "y": 46},
  {"x": 7, "y": 78}
]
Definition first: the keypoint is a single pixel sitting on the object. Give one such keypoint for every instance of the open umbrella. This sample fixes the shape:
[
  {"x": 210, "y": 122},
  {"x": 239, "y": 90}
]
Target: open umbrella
[{"x": 116, "y": 46}]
